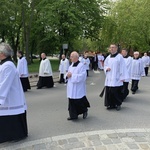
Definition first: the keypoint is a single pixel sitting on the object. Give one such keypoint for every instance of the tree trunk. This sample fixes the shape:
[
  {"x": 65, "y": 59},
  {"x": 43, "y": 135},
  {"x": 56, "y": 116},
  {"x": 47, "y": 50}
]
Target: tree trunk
[{"x": 27, "y": 29}]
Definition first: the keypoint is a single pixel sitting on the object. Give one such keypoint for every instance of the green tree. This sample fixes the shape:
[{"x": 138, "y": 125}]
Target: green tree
[
  {"x": 66, "y": 21},
  {"x": 128, "y": 24},
  {"x": 10, "y": 26},
  {"x": 36, "y": 26}
]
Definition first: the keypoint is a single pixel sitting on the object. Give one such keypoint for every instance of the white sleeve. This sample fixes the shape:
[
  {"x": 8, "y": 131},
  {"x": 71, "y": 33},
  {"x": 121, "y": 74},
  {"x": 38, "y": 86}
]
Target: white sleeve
[{"x": 7, "y": 74}]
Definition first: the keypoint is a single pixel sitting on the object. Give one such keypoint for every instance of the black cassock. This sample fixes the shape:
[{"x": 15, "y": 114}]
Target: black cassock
[
  {"x": 45, "y": 82},
  {"x": 25, "y": 83},
  {"x": 13, "y": 127},
  {"x": 78, "y": 106},
  {"x": 113, "y": 96}
]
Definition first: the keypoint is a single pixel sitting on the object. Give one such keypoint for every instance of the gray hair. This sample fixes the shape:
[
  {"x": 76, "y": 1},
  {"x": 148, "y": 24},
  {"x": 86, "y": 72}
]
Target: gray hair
[{"x": 6, "y": 49}]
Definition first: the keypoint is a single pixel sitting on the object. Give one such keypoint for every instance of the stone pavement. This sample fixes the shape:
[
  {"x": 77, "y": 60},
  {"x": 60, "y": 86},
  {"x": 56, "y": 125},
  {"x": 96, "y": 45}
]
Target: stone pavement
[{"x": 119, "y": 139}]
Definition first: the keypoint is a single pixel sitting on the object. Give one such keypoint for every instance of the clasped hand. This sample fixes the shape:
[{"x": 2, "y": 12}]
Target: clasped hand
[{"x": 69, "y": 74}]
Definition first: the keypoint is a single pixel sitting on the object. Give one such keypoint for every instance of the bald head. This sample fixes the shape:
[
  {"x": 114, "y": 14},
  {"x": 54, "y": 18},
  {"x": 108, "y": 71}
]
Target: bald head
[
  {"x": 43, "y": 55},
  {"x": 74, "y": 56},
  {"x": 63, "y": 56}
]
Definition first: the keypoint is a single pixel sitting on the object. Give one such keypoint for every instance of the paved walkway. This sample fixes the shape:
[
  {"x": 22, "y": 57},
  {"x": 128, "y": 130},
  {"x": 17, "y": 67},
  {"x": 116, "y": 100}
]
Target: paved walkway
[
  {"x": 118, "y": 139},
  {"x": 121, "y": 139}
]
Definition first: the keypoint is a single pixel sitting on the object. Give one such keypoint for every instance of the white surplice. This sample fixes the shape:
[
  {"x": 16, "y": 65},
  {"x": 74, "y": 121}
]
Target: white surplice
[
  {"x": 45, "y": 69},
  {"x": 146, "y": 61},
  {"x": 117, "y": 74},
  {"x": 86, "y": 63},
  {"x": 22, "y": 67},
  {"x": 76, "y": 85},
  {"x": 12, "y": 97},
  {"x": 100, "y": 61},
  {"x": 137, "y": 69},
  {"x": 128, "y": 62},
  {"x": 64, "y": 65}
]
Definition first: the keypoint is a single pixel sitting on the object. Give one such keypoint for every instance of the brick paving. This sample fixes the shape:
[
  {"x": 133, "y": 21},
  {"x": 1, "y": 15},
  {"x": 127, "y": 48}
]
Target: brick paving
[{"x": 121, "y": 139}]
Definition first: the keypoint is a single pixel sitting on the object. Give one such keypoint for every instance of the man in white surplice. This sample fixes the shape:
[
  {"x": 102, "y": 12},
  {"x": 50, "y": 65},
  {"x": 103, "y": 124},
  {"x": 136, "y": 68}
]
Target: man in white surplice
[
  {"x": 63, "y": 68},
  {"x": 146, "y": 63},
  {"x": 137, "y": 70},
  {"x": 13, "y": 122},
  {"x": 114, "y": 68},
  {"x": 128, "y": 62},
  {"x": 22, "y": 68},
  {"x": 100, "y": 61},
  {"x": 45, "y": 73},
  {"x": 86, "y": 62},
  {"x": 76, "y": 88}
]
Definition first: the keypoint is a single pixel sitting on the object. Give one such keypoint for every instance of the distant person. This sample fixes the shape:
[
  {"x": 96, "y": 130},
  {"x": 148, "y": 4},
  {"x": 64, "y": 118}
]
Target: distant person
[
  {"x": 100, "y": 61},
  {"x": 45, "y": 73},
  {"x": 13, "y": 123},
  {"x": 63, "y": 68},
  {"x": 137, "y": 70},
  {"x": 76, "y": 88},
  {"x": 22, "y": 68},
  {"x": 146, "y": 63},
  {"x": 128, "y": 62},
  {"x": 114, "y": 68},
  {"x": 95, "y": 62},
  {"x": 86, "y": 62},
  {"x": 80, "y": 57}
]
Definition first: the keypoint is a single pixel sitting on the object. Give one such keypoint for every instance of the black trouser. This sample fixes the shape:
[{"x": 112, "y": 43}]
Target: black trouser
[
  {"x": 125, "y": 90},
  {"x": 146, "y": 71},
  {"x": 95, "y": 65},
  {"x": 134, "y": 86},
  {"x": 62, "y": 80},
  {"x": 87, "y": 71},
  {"x": 78, "y": 106},
  {"x": 113, "y": 96}
]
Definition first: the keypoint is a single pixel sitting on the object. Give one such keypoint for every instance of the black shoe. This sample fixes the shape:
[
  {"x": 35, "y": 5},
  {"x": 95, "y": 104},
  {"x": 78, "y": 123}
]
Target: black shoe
[
  {"x": 38, "y": 88},
  {"x": 133, "y": 92},
  {"x": 85, "y": 114},
  {"x": 69, "y": 118},
  {"x": 111, "y": 107},
  {"x": 118, "y": 108}
]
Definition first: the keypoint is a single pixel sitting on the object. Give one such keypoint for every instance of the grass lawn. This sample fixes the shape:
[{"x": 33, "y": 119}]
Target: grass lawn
[{"x": 34, "y": 67}]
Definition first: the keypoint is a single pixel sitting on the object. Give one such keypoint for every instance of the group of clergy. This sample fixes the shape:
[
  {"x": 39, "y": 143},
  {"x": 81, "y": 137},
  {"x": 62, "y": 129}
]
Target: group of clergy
[
  {"x": 120, "y": 69},
  {"x": 45, "y": 72},
  {"x": 96, "y": 61},
  {"x": 14, "y": 81}
]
